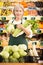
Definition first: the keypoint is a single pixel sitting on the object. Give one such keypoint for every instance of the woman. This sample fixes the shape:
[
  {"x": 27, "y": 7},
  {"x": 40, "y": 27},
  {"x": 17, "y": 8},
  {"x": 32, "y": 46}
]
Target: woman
[{"x": 18, "y": 12}]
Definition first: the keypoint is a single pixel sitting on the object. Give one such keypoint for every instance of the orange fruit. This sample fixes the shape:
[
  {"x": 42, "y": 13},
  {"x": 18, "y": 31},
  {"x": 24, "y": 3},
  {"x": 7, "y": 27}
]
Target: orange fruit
[
  {"x": 24, "y": 4},
  {"x": 25, "y": 13},
  {"x": 40, "y": 25}
]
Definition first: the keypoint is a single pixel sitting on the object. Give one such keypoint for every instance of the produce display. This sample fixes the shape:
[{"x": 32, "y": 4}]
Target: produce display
[
  {"x": 6, "y": 12},
  {"x": 1, "y": 4},
  {"x": 34, "y": 43},
  {"x": 30, "y": 8},
  {"x": 13, "y": 53},
  {"x": 33, "y": 21}
]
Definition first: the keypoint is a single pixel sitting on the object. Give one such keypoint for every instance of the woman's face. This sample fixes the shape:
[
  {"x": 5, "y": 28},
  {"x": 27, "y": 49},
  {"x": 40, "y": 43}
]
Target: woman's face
[{"x": 18, "y": 12}]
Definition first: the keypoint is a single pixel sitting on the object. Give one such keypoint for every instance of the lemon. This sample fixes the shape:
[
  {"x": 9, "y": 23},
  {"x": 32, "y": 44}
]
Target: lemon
[{"x": 1, "y": 4}]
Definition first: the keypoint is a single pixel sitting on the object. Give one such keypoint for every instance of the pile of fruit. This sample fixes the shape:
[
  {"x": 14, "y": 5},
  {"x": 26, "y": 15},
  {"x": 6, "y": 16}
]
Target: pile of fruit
[
  {"x": 5, "y": 12},
  {"x": 13, "y": 53}
]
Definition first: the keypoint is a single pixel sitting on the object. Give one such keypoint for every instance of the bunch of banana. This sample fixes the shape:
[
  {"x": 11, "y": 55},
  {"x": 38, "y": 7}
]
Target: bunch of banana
[
  {"x": 3, "y": 12},
  {"x": 9, "y": 12},
  {"x": 7, "y": 4},
  {"x": 6, "y": 12}
]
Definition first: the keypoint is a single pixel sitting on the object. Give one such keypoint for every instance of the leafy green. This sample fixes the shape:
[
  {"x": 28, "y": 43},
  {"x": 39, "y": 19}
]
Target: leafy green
[{"x": 26, "y": 24}]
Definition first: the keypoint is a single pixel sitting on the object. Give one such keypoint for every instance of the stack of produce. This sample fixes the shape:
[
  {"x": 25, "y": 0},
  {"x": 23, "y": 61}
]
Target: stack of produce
[
  {"x": 1, "y": 4},
  {"x": 5, "y": 12},
  {"x": 13, "y": 53}
]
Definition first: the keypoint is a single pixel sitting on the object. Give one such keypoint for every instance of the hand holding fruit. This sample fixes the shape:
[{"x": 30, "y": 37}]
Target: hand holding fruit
[{"x": 19, "y": 26}]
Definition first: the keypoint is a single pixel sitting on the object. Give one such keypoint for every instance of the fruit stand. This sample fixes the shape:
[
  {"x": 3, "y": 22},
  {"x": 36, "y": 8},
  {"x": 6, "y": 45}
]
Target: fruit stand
[{"x": 33, "y": 53}]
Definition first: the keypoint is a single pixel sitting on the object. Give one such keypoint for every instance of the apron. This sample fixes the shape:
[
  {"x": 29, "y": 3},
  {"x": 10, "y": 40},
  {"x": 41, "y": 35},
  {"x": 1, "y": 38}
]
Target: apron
[{"x": 17, "y": 40}]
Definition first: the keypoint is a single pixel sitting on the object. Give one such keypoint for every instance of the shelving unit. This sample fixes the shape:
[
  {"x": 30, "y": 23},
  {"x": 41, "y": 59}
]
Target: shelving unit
[{"x": 27, "y": 17}]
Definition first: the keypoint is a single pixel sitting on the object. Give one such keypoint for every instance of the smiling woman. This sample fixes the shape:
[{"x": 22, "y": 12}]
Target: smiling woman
[
  {"x": 17, "y": 22},
  {"x": 18, "y": 11}
]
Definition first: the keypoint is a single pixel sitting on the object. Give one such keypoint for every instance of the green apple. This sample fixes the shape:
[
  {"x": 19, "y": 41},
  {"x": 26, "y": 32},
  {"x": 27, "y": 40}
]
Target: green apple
[
  {"x": 22, "y": 53},
  {"x": 16, "y": 55},
  {"x": 5, "y": 54},
  {"x": 22, "y": 46},
  {"x": 12, "y": 59},
  {"x": 7, "y": 48},
  {"x": 15, "y": 48}
]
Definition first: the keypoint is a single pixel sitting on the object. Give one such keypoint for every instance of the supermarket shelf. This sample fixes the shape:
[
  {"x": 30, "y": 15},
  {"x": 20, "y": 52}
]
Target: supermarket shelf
[
  {"x": 12, "y": 7},
  {"x": 33, "y": 17},
  {"x": 8, "y": 7},
  {"x": 38, "y": 9},
  {"x": 36, "y": 32},
  {"x": 37, "y": 46},
  {"x": 27, "y": 17}
]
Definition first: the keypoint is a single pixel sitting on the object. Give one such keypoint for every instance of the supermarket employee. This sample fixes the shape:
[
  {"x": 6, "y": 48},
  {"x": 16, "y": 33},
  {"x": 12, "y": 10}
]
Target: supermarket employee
[{"x": 21, "y": 39}]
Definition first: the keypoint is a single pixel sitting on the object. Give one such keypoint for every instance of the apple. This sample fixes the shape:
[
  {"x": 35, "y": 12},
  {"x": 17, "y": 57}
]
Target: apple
[
  {"x": 5, "y": 54},
  {"x": 14, "y": 48},
  {"x": 16, "y": 55},
  {"x": 22, "y": 46}
]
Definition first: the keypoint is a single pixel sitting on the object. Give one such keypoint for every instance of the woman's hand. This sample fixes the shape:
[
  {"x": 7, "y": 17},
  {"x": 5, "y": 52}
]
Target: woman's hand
[
  {"x": 19, "y": 26},
  {"x": 29, "y": 27},
  {"x": 26, "y": 30}
]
